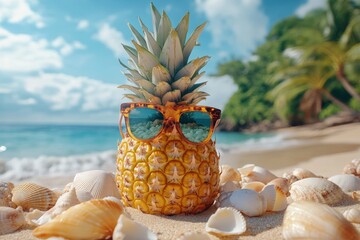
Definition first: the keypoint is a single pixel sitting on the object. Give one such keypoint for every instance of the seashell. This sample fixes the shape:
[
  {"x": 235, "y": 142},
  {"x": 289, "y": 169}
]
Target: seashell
[
  {"x": 194, "y": 235},
  {"x": 347, "y": 182},
  {"x": 356, "y": 195},
  {"x": 6, "y": 195},
  {"x": 230, "y": 186},
  {"x": 252, "y": 173},
  {"x": 32, "y": 216},
  {"x": 223, "y": 200},
  {"x": 310, "y": 220},
  {"x": 352, "y": 215},
  {"x": 317, "y": 190},
  {"x": 353, "y": 167},
  {"x": 275, "y": 198},
  {"x": 248, "y": 202},
  {"x": 225, "y": 222},
  {"x": 10, "y": 219},
  {"x": 229, "y": 174},
  {"x": 94, "y": 219},
  {"x": 256, "y": 186},
  {"x": 127, "y": 228},
  {"x": 68, "y": 187},
  {"x": 282, "y": 184},
  {"x": 98, "y": 183},
  {"x": 298, "y": 174},
  {"x": 65, "y": 201},
  {"x": 31, "y": 195}
]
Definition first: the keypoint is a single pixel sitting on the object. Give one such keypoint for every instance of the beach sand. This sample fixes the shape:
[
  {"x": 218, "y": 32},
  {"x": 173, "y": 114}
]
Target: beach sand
[{"x": 322, "y": 151}]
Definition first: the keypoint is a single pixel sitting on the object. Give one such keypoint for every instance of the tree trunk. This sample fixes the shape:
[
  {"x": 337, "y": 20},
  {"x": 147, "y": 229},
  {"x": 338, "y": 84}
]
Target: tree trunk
[
  {"x": 340, "y": 74},
  {"x": 342, "y": 105}
]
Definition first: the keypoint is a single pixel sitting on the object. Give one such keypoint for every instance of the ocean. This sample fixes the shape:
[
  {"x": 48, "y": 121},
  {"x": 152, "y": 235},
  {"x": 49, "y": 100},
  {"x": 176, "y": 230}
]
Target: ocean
[{"x": 37, "y": 150}]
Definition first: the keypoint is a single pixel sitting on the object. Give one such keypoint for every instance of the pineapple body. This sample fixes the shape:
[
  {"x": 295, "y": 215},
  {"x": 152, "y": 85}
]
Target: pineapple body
[{"x": 167, "y": 175}]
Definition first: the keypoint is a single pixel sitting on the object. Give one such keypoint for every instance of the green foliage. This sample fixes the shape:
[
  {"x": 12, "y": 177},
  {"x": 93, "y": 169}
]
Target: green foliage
[{"x": 329, "y": 111}]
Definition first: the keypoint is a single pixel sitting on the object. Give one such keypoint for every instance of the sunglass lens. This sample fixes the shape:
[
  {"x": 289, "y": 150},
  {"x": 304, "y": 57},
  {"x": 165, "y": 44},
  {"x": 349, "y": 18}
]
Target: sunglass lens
[
  {"x": 195, "y": 125},
  {"x": 145, "y": 123}
]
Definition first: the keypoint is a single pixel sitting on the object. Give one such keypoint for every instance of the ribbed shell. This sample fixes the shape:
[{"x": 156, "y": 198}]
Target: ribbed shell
[
  {"x": 31, "y": 195},
  {"x": 352, "y": 215},
  {"x": 225, "y": 222},
  {"x": 94, "y": 219},
  {"x": 317, "y": 190},
  {"x": 309, "y": 220},
  {"x": 10, "y": 220},
  {"x": 5, "y": 194},
  {"x": 347, "y": 182},
  {"x": 251, "y": 173}
]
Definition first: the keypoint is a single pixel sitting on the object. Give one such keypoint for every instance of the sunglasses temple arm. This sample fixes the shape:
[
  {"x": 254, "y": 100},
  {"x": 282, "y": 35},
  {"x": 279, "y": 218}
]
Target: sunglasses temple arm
[{"x": 120, "y": 126}]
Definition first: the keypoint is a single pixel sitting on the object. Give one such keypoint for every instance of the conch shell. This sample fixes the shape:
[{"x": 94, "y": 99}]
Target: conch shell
[
  {"x": 94, "y": 219},
  {"x": 252, "y": 173},
  {"x": 310, "y": 220},
  {"x": 225, "y": 222},
  {"x": 98, "y": 183},
  {"x": 127, "y": 228},
  {"x": 31, "y": 195},
  {"x": 10, "y": 219},
  {"x": 5, "y": 194}
]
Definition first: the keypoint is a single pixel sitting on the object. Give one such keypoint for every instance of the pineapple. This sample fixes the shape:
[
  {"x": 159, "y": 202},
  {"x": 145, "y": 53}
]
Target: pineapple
[{"x": 167, "y": 175}]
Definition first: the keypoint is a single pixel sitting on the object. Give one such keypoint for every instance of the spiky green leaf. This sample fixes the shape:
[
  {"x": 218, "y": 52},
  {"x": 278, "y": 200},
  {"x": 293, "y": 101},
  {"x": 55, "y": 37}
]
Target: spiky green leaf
[
  {"x": 135, "y": 90},
  {"x": 151, "y": 43},
  {"x": 155, "y": 19},
  {"x": 139, "y": 38},
  {"x": 182, "y": 84},
  {"x": 145, "y": 84},
  {"x": 151, "y": 98},
  {"x": 171, "y": 55},
  {"x": 192, "y": 42},
  {"x": 161, "y": 88},
  {"x": 182, "y": 29},
  {"x": 146, "y": 60},
  {"x": 134, "y": 98},
  {"x": 172, "y": 96},
  {"x": 131, "y": 52},
  {"x": 160, "y": 74},
  {"x": 164, "y": 29},
  {"x": 192, "y": 67}
]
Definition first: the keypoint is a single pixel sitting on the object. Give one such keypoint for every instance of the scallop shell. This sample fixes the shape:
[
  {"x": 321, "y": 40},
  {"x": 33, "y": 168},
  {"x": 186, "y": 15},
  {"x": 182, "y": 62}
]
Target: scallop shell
[
  {"x": 353, "y": 167},
  {"x": 225, "y": 222},
  {"x": 64, "y": 202},
  {"x": 256, "y": 186},
  {"x": 10, "y": 219},
  {"x": 94, "y": 219},
  {"x": 275, "y": 198},
  {"x": 248, "y": 202},
  {"x": 127, "y": 228},
  {"x": 194, "y": 235},
  {"x": 310, "y": 220},
  {"x": 252, "y": 173},
  {"x": 98, "y": 183},
  {"x": 347, "y": 182},
  {"x": 230, "y": 186},
  {"x": 317, "y": 190},
  {"x": 352, "y": 215},
  {"x": 31, "y": 195},
  {"x": 298, "y": 174},
  {"x": 229, "y": 174},
  {"x": 6, "y": 195}
]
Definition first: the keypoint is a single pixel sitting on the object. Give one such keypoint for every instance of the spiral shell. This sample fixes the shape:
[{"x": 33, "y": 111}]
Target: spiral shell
[
  {"x": 353, "y": 167},
  {"x": 10, "y": 219},
  {"x": 248, "y": 202},
  {"x": 251, "y": 173},
  {"x": 316, "y": 189},
  {"x": 6, "y": 195},
  {"x": 31, "y": 195},
  {"x": 310, "y": 220},
  {"x": 127, "y": 228},
  {"x": 347, "y": 182},
  {"x": 298, "y": 174},
  {"x": 225, "y": 222},
  {"x": 94, "y": 219}
]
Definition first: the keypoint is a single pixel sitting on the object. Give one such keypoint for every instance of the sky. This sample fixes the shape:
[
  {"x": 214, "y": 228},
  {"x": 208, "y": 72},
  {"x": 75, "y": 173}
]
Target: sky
[{"x": 59, "y": 59}]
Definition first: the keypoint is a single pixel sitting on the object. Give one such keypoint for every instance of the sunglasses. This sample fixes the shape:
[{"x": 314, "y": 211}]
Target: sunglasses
[{"x": 145, "y": 121}]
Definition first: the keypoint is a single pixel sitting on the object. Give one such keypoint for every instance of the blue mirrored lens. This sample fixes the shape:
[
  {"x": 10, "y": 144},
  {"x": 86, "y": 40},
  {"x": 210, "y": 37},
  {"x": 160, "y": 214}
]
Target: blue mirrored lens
[
  {"x": 195, "y": 125},
  {"x": 145, "y": 123}
]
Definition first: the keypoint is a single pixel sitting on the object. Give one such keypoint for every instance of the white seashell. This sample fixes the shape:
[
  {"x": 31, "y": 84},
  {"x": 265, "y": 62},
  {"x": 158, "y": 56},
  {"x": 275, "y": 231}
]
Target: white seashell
[
  {"x": 94, "y": 219},
  {"x": 317, "y": 190},
  {"x": 347, "y": 182},
  {"x": 356, "y": 195},
  {"x": 310, "y": 220},
  {"x": 229, "y": 174},
  {"x": 223, "y": 200},
  {"x": 32, "y": 216},
  {"x": 282, "y": 184},
  {"x": 98, "y": 183},
  {"x": 230, "y": 186},
  {"x": 127, "y": 228},
  {"x": 248, "y": 202},
  {"x": 353, "y": 167},
  {"x": 194, "y": 236},
  {"x": 275, "y": 198},
  {"x": 68, "y": 187},
  {"x": 298, "y": 174},
  {"x": 31, "y": 195},
  {"x": 256, "y": 186},
  {"x": 352, "y": 215},
  {"x": 252, "y": 173},
  {"x": 225, "y": 222},
  {"x": 10, "y": 219},
  {"x": 6, "y": 195},
  {"x": 65, "y": 201}
]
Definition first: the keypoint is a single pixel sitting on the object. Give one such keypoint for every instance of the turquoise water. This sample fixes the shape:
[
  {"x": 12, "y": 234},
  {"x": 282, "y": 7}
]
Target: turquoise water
[{"x": 32, "y": 141}]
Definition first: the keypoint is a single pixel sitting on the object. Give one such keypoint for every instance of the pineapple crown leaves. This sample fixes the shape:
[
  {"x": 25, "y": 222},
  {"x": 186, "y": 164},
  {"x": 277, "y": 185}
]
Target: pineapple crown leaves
[{"x": 159, "y": 65}]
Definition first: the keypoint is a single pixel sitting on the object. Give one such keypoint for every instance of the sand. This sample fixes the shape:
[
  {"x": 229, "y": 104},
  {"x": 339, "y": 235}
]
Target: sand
[{"x": 323, "y": 151}]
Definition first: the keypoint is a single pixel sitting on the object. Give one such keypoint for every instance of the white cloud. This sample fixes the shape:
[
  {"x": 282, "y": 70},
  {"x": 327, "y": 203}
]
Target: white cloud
[
  {"x": 17, "y": 11},
  {"x": 237, "y": 24},
  {"x": 112, "y": 39},
  {"x": 24, "y": 53},
  {"x": 66, "y": 48},
  {"x": 220, "y": 90},
  {"x": 66, "y": 92},
  {"x": 83, "y": 24},
  {"x": 308, "y": 6}
]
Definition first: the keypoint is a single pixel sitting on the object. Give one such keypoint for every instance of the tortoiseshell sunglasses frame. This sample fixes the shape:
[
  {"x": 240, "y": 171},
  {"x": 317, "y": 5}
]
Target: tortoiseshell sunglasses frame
[{"x": 171, "y": 114}]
